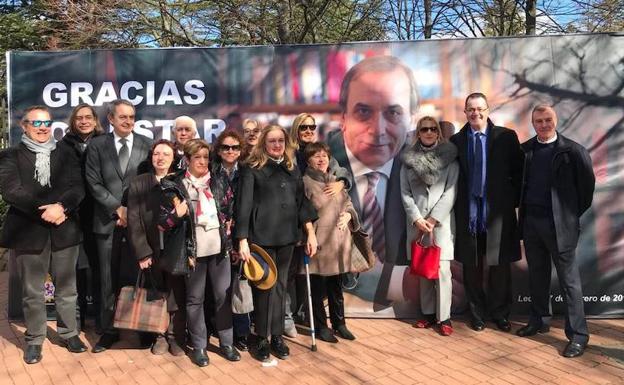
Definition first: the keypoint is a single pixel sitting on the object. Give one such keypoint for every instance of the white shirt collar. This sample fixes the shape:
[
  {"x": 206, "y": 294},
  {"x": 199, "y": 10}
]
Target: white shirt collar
[
  {"x": 551, "y": 140},
  {"x": 360, "y": 169},
  {"x": 130, "y": 138}
]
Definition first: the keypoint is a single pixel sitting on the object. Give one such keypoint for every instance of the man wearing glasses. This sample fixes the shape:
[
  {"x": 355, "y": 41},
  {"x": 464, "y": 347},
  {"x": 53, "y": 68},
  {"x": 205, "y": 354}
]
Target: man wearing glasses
[
  {"x": 487, "y": 239},
  {"x": 42, "y": 183}
]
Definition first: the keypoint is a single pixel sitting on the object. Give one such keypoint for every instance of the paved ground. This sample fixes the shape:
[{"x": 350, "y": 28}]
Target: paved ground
[{"x": 386, "y": 352}]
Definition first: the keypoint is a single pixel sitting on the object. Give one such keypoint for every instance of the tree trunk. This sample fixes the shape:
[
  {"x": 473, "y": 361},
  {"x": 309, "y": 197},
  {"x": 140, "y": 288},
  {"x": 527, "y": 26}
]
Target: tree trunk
[
  {"x": 428, "y": 21},
  {"x": 530, "y": 15}
]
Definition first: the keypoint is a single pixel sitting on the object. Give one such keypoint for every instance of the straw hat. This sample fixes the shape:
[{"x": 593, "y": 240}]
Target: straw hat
[{"x": 260, "y": 270}]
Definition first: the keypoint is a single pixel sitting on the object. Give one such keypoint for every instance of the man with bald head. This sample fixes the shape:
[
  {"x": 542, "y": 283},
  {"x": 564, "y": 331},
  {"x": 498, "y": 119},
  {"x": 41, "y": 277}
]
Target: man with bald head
[
  {"x": 558, "y": 188},
  {"x": 184, "y": 129}
]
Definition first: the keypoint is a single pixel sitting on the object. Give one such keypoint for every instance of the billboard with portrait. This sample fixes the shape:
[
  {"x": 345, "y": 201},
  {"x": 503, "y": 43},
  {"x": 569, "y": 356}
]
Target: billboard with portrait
[{"x": 582, "y": 75}]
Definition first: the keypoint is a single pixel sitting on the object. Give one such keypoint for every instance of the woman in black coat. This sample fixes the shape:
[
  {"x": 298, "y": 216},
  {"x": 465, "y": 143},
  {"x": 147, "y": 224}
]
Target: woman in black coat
[
  {"x": 144, "y": 197},
  {"x": 271, "y": 211},
  {"x": 83, "y": 126}
]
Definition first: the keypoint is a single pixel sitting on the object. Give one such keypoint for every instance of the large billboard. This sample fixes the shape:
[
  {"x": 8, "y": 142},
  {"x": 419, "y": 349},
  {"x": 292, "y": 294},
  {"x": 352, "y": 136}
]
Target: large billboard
[{"x": 583, "y": 75}]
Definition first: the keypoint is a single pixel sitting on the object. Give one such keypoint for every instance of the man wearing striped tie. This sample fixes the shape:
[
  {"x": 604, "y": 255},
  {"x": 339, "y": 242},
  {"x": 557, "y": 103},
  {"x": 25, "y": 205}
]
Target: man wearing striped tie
[{"x": 378, "y": 101}]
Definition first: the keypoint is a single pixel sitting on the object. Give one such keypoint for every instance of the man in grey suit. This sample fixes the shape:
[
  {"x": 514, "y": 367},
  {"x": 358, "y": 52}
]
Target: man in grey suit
[
  {"x": 112, "y": 160},
  {"x": 378, "y": 101}
]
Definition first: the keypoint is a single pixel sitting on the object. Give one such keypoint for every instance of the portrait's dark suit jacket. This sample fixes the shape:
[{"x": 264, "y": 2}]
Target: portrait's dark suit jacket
[
  {"x": 23, "y": 227},
  {"x": 503, "y": 179},
  {"x": 394, "y": 215},
  {"x": 106, "y": 181}
]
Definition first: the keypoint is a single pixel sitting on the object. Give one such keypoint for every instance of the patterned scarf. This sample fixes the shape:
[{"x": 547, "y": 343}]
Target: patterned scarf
[
  {"x": 206, "y": 209},
  {"x": 42, "y": 162}
]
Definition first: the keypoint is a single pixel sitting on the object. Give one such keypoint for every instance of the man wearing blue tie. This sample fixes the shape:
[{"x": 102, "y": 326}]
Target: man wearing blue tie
[{"x": 487, "y": 239}]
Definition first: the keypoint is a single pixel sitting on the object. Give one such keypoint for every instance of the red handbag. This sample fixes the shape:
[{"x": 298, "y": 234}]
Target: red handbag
[{"x": 425, "y": 259}]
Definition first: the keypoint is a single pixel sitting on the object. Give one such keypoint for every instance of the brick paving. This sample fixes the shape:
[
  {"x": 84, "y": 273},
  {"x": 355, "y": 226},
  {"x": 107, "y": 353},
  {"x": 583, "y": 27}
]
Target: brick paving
[{"x": 385, "y": 352}]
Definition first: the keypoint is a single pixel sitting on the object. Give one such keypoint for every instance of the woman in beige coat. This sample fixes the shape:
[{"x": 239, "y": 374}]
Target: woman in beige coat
[
  {"x": 336, "y": 217},
  {"x": 428, "y": 190}
]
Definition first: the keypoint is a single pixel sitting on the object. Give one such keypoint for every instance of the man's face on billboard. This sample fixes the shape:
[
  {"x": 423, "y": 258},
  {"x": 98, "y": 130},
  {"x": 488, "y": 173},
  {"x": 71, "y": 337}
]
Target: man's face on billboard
[{"x": 377, "y": 116}]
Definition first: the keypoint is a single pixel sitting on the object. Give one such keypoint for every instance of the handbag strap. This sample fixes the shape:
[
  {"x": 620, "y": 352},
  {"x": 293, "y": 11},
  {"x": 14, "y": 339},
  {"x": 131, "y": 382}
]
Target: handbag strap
[{"x": 431, "y": 235}]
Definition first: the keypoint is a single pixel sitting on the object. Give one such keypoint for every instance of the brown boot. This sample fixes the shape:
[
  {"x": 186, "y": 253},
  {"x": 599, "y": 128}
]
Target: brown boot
[{"x": 160, "y": 345}]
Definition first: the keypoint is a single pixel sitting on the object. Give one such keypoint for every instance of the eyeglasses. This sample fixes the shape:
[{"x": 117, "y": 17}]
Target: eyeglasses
[
  {"x": 38, "y": 123},
  {"x": 425, "y": 129},
  {"x": 304, "y": 127},
  {"x": 479, "y": 110},
  {"x": 225, "y": 147}
]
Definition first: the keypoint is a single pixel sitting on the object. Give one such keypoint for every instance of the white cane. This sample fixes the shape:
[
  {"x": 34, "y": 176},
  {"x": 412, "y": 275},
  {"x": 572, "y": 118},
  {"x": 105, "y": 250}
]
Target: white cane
[{"x": 306, "y": 262}]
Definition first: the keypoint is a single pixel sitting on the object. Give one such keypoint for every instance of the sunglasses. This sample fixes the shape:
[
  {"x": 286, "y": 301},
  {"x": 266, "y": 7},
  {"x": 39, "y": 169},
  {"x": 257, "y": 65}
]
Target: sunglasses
[
  {"x": 225, "y": 147},
  {"x": 425, "y": 129},
  {"x": 38, "y": 123},
  {"x": 310, "y": 127}
]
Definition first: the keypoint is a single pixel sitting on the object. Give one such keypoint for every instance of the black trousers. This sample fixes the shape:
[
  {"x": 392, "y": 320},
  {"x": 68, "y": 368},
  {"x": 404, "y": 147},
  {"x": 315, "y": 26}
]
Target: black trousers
[
  {"x": 332, "y": 285},
  {"x": 270, "y": 305},
  {"x": 540, "y": 245},
  {"x": 491, "y": 299}
]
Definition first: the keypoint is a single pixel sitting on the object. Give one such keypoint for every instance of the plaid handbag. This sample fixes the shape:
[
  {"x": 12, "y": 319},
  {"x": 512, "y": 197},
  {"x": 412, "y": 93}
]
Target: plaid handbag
[{"x": 141, "y": 309}]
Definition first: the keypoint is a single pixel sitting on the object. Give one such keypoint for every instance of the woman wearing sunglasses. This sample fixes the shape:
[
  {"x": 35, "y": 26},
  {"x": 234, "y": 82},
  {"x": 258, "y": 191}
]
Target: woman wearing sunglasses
[
  {"x": 428, "y": 190},
  {"x": 303, "y": 132}
]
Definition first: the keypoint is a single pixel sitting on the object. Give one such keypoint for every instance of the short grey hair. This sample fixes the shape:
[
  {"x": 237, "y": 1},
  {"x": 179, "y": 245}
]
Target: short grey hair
[
  {"x": 184, "y": 118},
  {"x": 112, "y": 106}
]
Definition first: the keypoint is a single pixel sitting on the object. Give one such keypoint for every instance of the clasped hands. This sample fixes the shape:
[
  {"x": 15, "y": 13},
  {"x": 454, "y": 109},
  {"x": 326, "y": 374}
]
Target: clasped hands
[
  {"x": 53, "y": 213},
  {"x": 425, "y": 225}
]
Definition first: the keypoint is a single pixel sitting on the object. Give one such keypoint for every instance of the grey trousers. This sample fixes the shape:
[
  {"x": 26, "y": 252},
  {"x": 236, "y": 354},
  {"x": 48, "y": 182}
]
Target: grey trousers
[
  {"x": 436, "y": 294},
  {"x": 218, "y": 270},
  {"x": 33, "y": 270}
]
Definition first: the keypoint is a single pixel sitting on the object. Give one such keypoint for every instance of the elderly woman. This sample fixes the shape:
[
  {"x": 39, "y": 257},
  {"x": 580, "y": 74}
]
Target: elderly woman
[
  {"x": 225, "y": 167},
  {"x": 333, "y": 258},
  {"x": 428, "y": 189},
  {"x": 271, "y": 210},
  {"x": 196, "y": 197},
  {"x": 303, "y": 132},
  {"x": 84, "y": 125},
  {"x": 251, "y": 133},
  {"x": 144, "y": 197}
]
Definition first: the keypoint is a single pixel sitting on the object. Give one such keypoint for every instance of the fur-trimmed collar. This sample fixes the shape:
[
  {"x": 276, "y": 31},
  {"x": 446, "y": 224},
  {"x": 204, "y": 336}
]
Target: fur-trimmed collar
[{"x": 429, "y": 164}]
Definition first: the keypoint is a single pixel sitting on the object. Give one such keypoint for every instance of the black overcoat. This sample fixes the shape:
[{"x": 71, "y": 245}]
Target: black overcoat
[
  {"x": 23, "y": 227},
  {"x": 271, "y": 206},
  {"x": 572, "y": 187},
  {"x": 503, "y": 179}
]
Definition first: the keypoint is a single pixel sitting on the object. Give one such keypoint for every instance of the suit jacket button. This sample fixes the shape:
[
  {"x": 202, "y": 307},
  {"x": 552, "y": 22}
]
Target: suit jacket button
[
  {"x": 283, "y": 184},
  {"x": 283, "y": 205}
]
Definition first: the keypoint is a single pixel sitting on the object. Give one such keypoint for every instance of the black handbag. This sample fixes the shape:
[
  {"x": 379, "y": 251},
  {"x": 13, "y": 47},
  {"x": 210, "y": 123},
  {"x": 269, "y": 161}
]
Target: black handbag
[{"x": 173, "y": 257}]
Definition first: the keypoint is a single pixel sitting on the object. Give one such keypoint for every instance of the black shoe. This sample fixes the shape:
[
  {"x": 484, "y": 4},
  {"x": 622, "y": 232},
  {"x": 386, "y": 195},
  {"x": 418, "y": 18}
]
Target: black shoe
[
  {"x": 477, "y": 325},
  {"x": 262, "y": 349},
  {"x": 199, "y": 357},
  {"x": 230, "y": 353},
  {"x": 32, "y": 354},
  {"x": 326, "y": 335},
  {"x": 349, "y": 281},
  {"x": 503, "y": 324},
  {"x": 574, "y": 349},
  {"x": 146, "y": 340},
  {"x": 343, "y": 332},
  {"x": 240, "y": 343},
  {"x": 105, "y": 342},
  {"x": 75, "y": 345},
  {"x": 532, "y": 329},
  {"x": 279, "y": 348}
]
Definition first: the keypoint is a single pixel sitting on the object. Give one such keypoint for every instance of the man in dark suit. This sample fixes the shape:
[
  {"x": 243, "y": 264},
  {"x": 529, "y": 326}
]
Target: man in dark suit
[
  {"x": 42, "y": 183},
  {"x": 378, "y": 101},
  {"x": 112, "y": 160},
  {"x": 487, "y": 239},
  {"x": 558, "y": 188}
]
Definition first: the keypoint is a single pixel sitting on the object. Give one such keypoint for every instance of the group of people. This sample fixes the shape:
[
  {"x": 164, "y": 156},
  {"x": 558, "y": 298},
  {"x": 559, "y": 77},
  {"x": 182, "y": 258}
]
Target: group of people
[{"x": 112, "y": 202}]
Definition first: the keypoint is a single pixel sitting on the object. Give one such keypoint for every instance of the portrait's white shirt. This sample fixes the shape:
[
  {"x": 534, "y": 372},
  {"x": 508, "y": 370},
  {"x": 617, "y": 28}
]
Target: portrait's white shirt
[
  {"x": 360, "y": 170},
  {"x": 551, "y": 140}
]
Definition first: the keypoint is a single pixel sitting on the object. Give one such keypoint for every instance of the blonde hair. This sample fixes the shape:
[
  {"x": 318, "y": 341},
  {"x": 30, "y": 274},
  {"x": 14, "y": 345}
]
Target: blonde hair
[
  {"x": 294, "y": 129},
  {"x": 259, "y": 157},
  {"x": 441, "y": 138}
]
